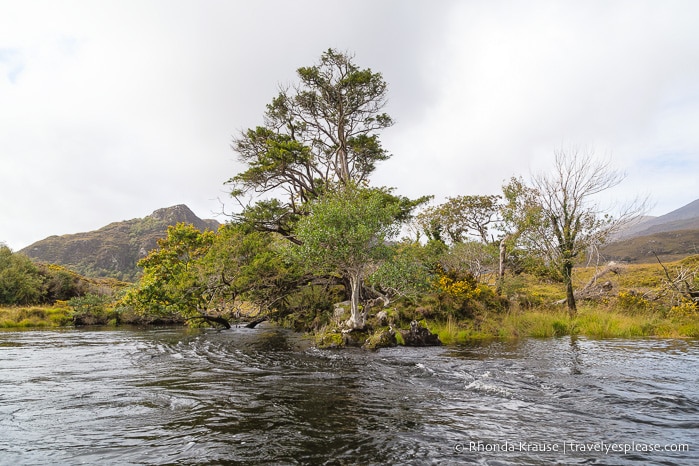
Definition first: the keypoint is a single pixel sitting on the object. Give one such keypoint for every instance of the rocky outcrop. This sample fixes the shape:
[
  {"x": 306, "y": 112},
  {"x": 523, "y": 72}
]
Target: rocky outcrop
[{"x": 419, "y": 336}]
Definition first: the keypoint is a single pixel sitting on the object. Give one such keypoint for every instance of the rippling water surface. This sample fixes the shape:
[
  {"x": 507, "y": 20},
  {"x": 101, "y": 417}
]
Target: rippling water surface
[{"x": 265, "y": 396}]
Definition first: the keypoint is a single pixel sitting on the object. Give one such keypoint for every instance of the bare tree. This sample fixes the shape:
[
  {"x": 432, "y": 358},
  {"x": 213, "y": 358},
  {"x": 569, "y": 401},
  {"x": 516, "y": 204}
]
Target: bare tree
[
  {"x": 683, "y": 283},
  {"x": 564, "y": 219}
]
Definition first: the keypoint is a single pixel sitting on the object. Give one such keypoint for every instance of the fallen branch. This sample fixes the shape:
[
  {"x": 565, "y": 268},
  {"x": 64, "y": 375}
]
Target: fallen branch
[
  {"x": 255, "y": 322},
  {"x": 212, "y": 320},
  {"x": 591, "y": 290}
]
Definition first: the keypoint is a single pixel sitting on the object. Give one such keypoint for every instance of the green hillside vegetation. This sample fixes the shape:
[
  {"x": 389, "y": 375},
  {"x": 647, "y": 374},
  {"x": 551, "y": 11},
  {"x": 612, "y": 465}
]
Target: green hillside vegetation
[
  {"x": 50, "y": 295},
  {"x": 23, "y": 281}
]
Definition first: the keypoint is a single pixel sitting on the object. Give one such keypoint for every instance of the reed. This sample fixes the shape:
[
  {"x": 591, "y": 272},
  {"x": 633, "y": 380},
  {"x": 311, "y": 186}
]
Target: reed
[
  {"x": 591, "y": 322},
  {"x": 35, "y": 316}
]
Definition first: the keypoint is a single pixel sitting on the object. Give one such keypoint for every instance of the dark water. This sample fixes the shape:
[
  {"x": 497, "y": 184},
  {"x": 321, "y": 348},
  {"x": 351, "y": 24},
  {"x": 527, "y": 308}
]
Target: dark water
[{"x": 264, "y": 396}]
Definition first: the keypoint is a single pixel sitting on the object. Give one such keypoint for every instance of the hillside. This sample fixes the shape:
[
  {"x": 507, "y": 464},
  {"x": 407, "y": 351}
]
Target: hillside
[
  {"x": 684, "y": 218},
  {"x": 671, "y": 236},
  {"x": 113, "y": 250},
  {"x": 668, "y": 245}
]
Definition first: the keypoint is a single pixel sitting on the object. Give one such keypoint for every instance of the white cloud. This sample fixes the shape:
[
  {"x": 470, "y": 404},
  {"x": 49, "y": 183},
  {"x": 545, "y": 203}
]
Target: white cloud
[
  {"x": 113, "y": 109},
  {"x": 518, "y": 79}
]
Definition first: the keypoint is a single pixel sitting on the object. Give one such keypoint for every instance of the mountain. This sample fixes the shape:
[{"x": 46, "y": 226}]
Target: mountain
[
  {"x": 684, "y": 218},
  {"x": 668, "y": 245},
  {"x": 671, "y": 236},
  {"x": 114, "y": 250}
]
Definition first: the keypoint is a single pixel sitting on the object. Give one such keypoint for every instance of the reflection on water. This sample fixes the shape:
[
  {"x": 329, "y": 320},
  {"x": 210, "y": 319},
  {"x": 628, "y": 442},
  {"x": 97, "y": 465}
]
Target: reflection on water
[{"x": 265, "y": 396}]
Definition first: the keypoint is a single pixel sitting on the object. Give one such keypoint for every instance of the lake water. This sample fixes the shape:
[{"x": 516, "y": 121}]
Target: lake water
[{"x": 265, "y": 396}]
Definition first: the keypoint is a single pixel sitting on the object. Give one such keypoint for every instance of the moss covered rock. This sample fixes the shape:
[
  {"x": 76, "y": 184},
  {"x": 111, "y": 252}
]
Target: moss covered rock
[
  {"x": 329, "y": 339},
  {"x": 381, "y": 339}
]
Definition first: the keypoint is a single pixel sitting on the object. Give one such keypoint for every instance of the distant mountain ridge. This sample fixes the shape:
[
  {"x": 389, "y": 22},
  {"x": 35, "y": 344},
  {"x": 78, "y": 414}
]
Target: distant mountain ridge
[
  {"x": 114, "y": 250},
  {"x": 684, "y": 218},
  {"x": 666, "y": 245},
  {"x": 671, "y": 236}
]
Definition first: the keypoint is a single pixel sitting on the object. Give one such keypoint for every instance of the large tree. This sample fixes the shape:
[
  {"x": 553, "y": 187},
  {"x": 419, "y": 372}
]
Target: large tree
[
  {"x": 317, "y": 134},
  {"x": 207, "y": 276},
  {"x": 558, "y": 213},
  {"x": 346, "y": 233}
]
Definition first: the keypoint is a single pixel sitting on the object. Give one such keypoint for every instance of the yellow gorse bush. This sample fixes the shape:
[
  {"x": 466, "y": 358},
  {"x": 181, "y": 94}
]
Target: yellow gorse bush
[
  {"x": 632, "y": 300},
  {"x": 457, "y": 288},
  {"x": 686, "y": 308}
]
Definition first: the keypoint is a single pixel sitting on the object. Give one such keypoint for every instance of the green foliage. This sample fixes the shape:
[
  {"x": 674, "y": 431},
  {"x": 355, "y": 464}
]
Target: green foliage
[
  {"x": 249, "y": 265},
  {"x": 24, "y": 283},
  {"x": 92, "y": 309},
  {"x": 318, "y": 134},
  {"x": 270, "y": 216},
  {"x": 170, "y": 283},
  {"x": 347, "y": 231},
  {"x": 20, "y": 280},
  {"x": 406, "y": 272},
  {"x": 460, "y": 218},
  {"x": 61, "y": 284},
  {"x": 206, "y": 275},
  {"x": 309, "y": 308}
]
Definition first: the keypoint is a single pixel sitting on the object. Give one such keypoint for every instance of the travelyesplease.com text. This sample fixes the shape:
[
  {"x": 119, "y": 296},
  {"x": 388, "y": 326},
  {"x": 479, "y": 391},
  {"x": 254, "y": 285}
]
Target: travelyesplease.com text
[{"x": 571, "y": 447}]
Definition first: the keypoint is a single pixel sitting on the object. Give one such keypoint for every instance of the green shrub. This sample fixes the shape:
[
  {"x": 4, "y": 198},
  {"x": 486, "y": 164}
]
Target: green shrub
[{"x": 91, "y": 309}]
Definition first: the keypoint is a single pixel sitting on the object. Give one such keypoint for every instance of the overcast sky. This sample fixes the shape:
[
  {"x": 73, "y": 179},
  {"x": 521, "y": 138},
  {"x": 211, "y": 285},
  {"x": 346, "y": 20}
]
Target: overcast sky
[{"x": 112, "y": 109}]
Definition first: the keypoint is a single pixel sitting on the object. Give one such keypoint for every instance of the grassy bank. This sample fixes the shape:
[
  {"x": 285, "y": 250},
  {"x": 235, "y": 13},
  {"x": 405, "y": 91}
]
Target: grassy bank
[
  {"x": 591, "y": 321},
  {"x": 85, "y": 311},
  {"x": 57, "y": 315},
  {"x": 637, "y": 303}
]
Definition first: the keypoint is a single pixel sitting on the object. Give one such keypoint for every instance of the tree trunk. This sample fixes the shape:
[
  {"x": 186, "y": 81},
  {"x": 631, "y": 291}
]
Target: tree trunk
[
  {"x": 570, "y": 295},
  {"x": 213, "y": 320},
  {"x": 255, "y": 322},
  {"x": 501, "y": 269},
  {"x": 342, "y": 161},
  {"x": 357, "y": 318}
]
